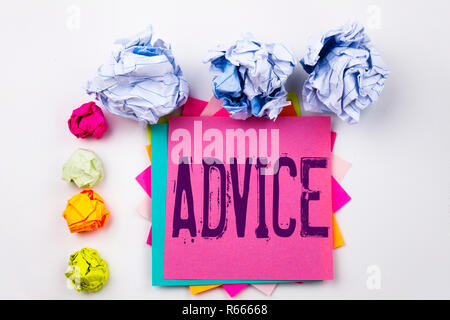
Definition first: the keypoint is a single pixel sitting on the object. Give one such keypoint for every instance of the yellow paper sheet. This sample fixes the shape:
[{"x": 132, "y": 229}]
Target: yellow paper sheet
[
  {"x": 202, "y": 288},
  {"x": 292, "y": 96},
  {"x": 149, "y": 134},
  {"x": 149, "y": 152},
  {"x": 338, "y": 241}
]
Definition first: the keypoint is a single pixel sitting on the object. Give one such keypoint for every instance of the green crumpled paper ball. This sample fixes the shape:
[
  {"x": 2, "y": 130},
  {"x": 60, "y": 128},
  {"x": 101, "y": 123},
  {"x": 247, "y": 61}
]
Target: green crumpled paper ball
[
  {"x": 88, "y": 271},
  {"x": 84, "y": 168}
]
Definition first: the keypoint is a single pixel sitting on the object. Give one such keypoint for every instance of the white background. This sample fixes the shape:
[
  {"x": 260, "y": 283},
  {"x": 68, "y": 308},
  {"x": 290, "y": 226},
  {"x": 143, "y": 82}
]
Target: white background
[{"x": 399, "y": 217}]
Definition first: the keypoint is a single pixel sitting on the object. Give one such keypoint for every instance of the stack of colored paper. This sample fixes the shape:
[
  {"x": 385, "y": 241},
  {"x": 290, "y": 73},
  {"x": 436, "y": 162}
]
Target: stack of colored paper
[{"x": 237, "y": 202}]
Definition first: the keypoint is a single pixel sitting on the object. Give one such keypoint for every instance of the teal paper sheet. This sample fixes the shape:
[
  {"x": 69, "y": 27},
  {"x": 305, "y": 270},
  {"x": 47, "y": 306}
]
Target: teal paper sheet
[{"x": 159, "y": 146}]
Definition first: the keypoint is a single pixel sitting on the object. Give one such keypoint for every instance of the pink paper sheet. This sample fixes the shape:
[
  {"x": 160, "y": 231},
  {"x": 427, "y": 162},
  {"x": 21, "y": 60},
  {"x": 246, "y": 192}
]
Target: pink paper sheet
[
  {"x": 193, "y": 107},
  {"x": 149, "y": 238},
  {"x": 333, "y": 139},
  {"x": 340, "y": 197},
  {"x": 253, "y": 258},
  {"x": 234, "y": 289},
  {"x": 214, "y": 105},
  {"x": 145, "y": 180},
  {"x": 339, "y": 167},
  {"x": 266, "y": 288},
  {"x": 222, "y": 113},
  {"x": 145, "y": 208}
]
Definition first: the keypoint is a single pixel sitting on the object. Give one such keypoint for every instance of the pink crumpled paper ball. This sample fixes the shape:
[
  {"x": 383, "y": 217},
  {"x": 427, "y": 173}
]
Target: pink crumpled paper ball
[{"x": 88, "y": 120}]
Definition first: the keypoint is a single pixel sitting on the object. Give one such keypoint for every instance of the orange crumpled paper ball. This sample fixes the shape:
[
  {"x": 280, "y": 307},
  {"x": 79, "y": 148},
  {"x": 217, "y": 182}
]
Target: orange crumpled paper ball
[{"x": 85, "y": 211}]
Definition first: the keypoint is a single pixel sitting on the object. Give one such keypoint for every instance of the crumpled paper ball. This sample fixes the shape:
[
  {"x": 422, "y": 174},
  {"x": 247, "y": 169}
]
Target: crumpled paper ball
[
  {"x": 88, "y": 120},
  {"x": 141, "y": 80},
  {"x": 88, "y": 271},
  {"x": 85, "y": 211},
  {"x": 84, "y": 168},
  {"x": 249, "y": 76},
  {"x": 346, "y": 73}
]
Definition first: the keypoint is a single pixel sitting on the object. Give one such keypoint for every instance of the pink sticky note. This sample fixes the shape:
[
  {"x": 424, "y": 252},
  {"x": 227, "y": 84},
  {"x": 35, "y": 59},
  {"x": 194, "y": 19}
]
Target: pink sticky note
[
  {"x": 193, "y": 107},
  {"x": 145, "y": 180},
  {"x": 213, "y": 106},
  {"x": 234, "y": 289},
  {"x": 222, "y": 113},
  {"x": 333, "y": 139},
  {"x": 149, "y": 238},
  {"x": 203, "y": 228},
  {"x": 145, "y": 208},
  {"x": 266, "y": 288},
  {"x": 339, "y": 167},
  {"x": 340, "y": 197}
]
